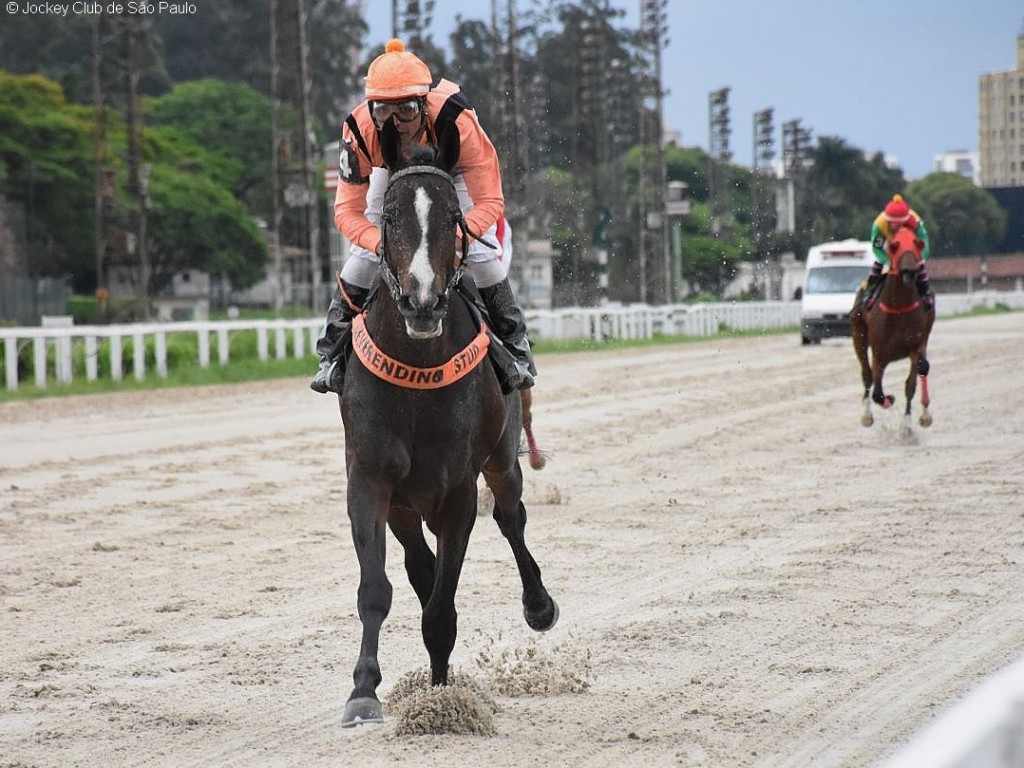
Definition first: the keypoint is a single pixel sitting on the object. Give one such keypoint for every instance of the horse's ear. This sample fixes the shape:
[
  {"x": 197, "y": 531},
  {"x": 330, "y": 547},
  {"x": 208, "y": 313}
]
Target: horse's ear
[
  {"x": 919, "y": 243},
  {"x": 390, "y": 145},
  {"x": 893, "y": 247},
  {"x": 448, "y": 151}
]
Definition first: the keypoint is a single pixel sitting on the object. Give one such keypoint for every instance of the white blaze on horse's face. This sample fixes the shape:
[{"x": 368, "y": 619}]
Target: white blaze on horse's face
[{"x": 419, "y": 268}]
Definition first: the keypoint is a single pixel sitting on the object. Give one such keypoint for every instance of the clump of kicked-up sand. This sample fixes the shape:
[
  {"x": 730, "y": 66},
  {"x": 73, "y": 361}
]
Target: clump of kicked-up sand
[
  {"x": 466, "y": 705},
  {"x": 461, "y": 707},
  {"x": 522, "y": 671}
]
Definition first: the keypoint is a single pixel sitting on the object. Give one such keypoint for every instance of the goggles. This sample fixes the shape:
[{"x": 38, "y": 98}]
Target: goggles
[{"x": 404, "y": 111}]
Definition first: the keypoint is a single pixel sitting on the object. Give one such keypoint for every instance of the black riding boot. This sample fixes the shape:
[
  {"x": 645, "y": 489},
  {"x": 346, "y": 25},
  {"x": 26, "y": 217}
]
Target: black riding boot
[
  {"x": 924, "y": 287},
  {"x": 516, "y": 369},
  {"x": 874, "y": 280},
  {"x": 332, "y": 344}
]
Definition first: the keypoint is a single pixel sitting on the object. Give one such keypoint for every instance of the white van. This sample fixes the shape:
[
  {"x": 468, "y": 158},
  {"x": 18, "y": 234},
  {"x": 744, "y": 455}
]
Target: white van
[{"x": 834, "y": 273}]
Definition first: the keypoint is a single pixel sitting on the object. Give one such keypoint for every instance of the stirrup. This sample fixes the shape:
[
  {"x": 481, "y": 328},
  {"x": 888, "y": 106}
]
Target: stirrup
[{"x": 324, "y": 381}]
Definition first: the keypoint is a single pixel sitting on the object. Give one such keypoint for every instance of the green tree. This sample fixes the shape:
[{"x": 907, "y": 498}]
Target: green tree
[
  {"x": 232, "y": 120},
  {"x": 962, "y": 219},
  {"x": 198, "y": 224},
  {"x": 46, "y": 156}
]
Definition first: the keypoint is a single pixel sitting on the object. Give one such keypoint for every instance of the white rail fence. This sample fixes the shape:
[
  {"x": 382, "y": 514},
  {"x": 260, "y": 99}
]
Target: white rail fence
[{"x": 54, "y": 345}]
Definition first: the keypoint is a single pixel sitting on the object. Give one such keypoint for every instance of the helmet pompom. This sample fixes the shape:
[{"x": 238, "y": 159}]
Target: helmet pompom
[
  {"x": 394, "y": 45},
  {"x": 897, "y": 198}
]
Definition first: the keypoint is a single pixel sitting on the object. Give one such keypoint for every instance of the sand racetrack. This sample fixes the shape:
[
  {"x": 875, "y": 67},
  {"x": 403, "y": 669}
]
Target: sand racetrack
[{"x": 747, "y": 577}]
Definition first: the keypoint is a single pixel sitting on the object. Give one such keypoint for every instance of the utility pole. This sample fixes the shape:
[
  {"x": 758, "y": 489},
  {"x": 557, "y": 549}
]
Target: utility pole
[
  {"x": 719, "y": 154},
  {"x": 408, "y": 20},
  {"x": 295, "y": 151},
  {"x": 796, "y": 144},
  {"x": 100, "y": 33},
  {"x": 763, "y": 154},
  {"x": 138, "y": 173},
  {"x": 511, "y": 137},
  {"x": 121, "y": 237},
  {"x": 653, "y": 29}
]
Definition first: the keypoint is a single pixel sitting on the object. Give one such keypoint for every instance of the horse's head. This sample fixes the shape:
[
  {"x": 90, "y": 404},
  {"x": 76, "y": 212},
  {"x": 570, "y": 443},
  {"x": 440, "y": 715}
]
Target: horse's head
[
  {"x": 420, "y": 216},
  {"x": 905, "y": 249}
]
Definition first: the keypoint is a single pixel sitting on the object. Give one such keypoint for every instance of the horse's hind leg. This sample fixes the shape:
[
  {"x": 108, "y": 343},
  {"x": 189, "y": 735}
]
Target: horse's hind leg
[
  {"x": 539, "y": 608},
  {"x": 923, "y": 367},
  {"x": 440, "y": 620},
  {"x": 909, "y": 388},
  {"x": 419, "y": 559}
]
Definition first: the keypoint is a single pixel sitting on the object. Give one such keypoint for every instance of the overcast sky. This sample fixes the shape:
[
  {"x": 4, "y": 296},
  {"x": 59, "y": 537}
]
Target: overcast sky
[{"x": 897, "y": 77}]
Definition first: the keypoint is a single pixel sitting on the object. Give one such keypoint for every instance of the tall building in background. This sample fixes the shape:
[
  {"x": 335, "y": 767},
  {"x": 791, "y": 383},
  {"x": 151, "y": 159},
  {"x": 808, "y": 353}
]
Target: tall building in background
[
  {"x": 959, "y": 161},
  {"x": 1001, "y": 125}
]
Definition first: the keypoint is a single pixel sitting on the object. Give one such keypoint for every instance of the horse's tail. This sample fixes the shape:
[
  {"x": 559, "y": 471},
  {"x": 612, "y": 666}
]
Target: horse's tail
[{"x": 538, "y": 458}]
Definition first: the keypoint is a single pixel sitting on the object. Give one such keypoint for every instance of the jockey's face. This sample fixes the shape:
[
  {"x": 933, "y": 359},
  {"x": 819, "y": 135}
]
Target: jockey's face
[
  {"x": 894, "y": 224},
  {"x": 407, "y": 114}
]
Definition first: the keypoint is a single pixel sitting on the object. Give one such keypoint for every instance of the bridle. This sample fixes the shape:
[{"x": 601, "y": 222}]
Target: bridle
[{"x": 386, "y": 272}]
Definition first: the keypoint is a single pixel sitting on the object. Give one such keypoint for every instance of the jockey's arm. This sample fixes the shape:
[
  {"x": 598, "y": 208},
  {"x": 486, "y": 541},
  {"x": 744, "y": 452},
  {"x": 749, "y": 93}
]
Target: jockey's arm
[
  {"x": 922, "y": 232},
  {"x": 350, "y": 215},
  {"x": 355, "y": 169},
  {"x": 478, "y": 161},
  {"x": 878, "y": 240}
]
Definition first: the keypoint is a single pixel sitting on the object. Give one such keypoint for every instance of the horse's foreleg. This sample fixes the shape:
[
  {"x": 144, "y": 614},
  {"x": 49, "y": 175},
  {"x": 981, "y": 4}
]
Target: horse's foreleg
[
  {"x": 923, "y": 367},
  {"x": 440, "y": 619},
  {"x": 860, "y": 347},
  {"x": 539, "y": 608},
  {"x": 878, "y": 395},
  {"x": 369, "y": 537}
]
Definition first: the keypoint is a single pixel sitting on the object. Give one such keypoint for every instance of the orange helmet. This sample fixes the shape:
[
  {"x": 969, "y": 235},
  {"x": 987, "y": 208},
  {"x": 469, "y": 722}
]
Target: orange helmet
[{"x": 397, "y": 74}]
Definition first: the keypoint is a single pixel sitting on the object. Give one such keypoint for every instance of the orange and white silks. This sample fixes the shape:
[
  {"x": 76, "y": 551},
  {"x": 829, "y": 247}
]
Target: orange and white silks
[{"x": 385, "y": 367}]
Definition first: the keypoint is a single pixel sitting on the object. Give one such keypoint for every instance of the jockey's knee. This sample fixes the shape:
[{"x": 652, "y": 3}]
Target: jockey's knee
[
  {"x": 486, "y": 273},
  {"x": 360, "y": 272}
]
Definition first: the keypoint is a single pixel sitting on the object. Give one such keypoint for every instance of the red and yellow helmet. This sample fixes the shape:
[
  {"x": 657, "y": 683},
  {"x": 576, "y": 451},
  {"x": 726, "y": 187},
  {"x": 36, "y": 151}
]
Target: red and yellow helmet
[
  {"x": 397, "y": 74},
  {"x": 896, "y": 210}
]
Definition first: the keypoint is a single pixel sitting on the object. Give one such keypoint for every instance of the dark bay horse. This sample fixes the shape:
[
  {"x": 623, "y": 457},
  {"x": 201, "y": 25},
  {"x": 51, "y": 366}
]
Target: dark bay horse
[
  {"x": 894, "y": 327},
  {"x": 424, "y": 416}
]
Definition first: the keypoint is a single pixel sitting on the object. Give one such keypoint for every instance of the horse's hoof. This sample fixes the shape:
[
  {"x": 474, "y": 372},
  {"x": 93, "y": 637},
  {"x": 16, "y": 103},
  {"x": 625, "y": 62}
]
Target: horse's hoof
[
  {"x": 925, "y": 420},
  {"x": 362, "y": 710},
  {"x": 537, "y": 460},
  {"x": 867, "y": 420},
  {"x": 543, "y": 621}
]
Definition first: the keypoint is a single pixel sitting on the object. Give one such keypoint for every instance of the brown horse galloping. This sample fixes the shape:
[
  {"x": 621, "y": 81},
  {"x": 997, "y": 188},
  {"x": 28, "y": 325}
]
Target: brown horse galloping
[{"x": 895, "y": 326}]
